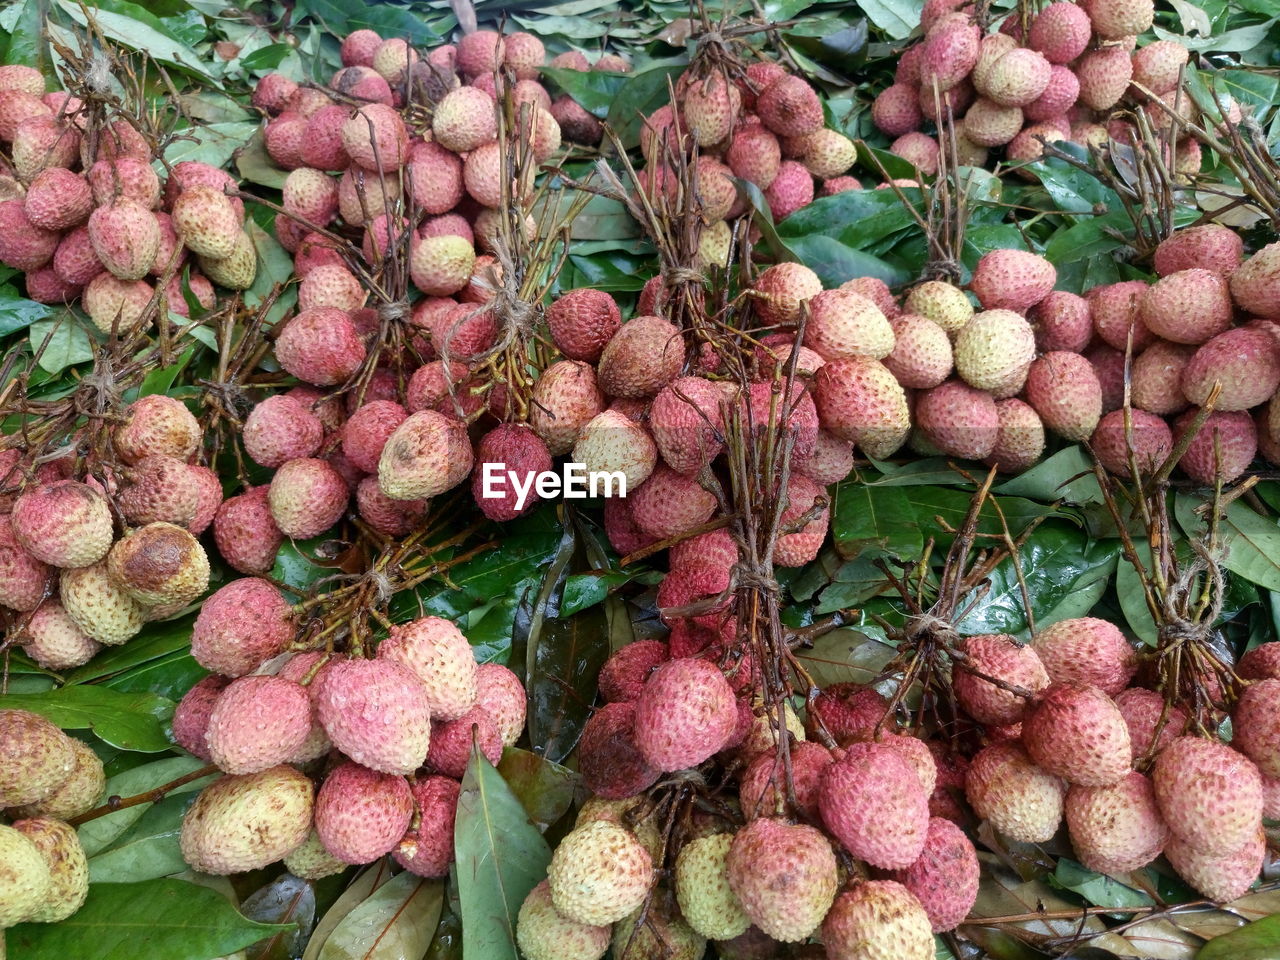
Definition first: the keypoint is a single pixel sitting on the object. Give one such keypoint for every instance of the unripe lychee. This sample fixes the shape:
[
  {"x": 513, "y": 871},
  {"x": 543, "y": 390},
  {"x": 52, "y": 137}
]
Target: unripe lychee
[
  {"x": 987, "y": 124},
  {"x": 99, "y": 606},
  {"x": 860, "y": 401},
  {"x": 207, "y": 222},
  {"x": 52, "y": 639},
  {"x": 376, "y": 712},
  {"x": 1104, "y": 76},
  {"x": 240, "y": 626},
  {"x": 1148, "y": 438},
  {"x": 710, "y": 108},
  {"x": 685, "y": 714},
  {"x": 542, "y": 933},
  {"x": 781, "y": 289},
  {"x": 877, "y": 920},
  {"x": 64, "y": 524},
  {"x": 464, "y": 119},
  {"x": 944, "y": 878},
  {"x": 1015, "y": 79},
  {"x": 37, "y": 758},
  {"x": 784, "y": 876},
  {"x": 846, "y": 324},
  {"x": 307, "y": 496},
  {"x": 24, "y": 878},
  {"x": 440, "y": 656},
  {"x": 242, "y": 823},
  {"x": 599, "y": 873},
  {"x": 921, "y": 354},
  {"x": 994, "y": 352},
  {"x": 702, "y": 888},
  {"x": 944, "y": 304},
  {"x": 872, "y": 801},
  {"x": 1022, "y": 801},
  {"x": 80, "y": 791}
]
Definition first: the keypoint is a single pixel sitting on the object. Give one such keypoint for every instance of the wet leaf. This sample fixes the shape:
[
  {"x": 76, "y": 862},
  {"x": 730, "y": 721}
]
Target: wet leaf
[
  {"x": 156, "y": 918},
  {"x": 566, "y": 657},
  {"x": 130, "y": 721},
  {"x": 544, "y": 789},
  {"x": 361, "y": 888},
  {"x": 1098, "y": 888},
  {"x": 881, "y": 521},
  {"x": 61, "y": 342},
  {"x": 845, "y": 655},
  {"x": 398, "y": 920},
  {"x": 286, "y": 899},
  {"x": 500, "y": 855},
  {"x": 149, "y": 848},
  {"x": 17, "y": 312}
]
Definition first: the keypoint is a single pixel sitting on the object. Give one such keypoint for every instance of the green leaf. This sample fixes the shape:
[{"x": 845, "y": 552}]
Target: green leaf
[
  {"x": 255, "y": 165},
  {"x": 157, "y": 918},
  {"x": 130, "y": 721},
  {"x": 275, "y": 266},
  {"x": 544, "y": 789},
  {"x": 294, "y": 567},
  {"x": 61, "y": 341},
  {"x": 1067, "y": 475},
  {"x": 148, "y": 849},
  {"x": 356, "y": 893},
  {"x": 835, "y": 261},
  {"x": 1097, "y": 888},
  {"x": 642, "y": 93},
  {"x": 895, "y": 18},
  {"x": 99, "y": 834},
  {"x": 593, "y": 90},
  {"x": 1252, "y": 541},
  {"x": 17, "y": 312},
  {"x": 388, "y": 21},
  {"x": 1259, "y": 940},
  {"x": 154, "y": 641},
  {"x": 500, "y": 855},
  {"x": 583, "y": 590},
  {"x": 211, "y": 143},
  {"x": 866, "y": 518},
  {"x": 286, "y": 899},
  {"x": 266, "y": 58},
  {"x": 1132, "y": 599},
  {"x": 1060, "y": 565},
  {"x": 26, "y": 40},
  {"x": 845, "y": 655},
  {"x": 397, "y": 920},
  {"x": 135, "y": 28}
]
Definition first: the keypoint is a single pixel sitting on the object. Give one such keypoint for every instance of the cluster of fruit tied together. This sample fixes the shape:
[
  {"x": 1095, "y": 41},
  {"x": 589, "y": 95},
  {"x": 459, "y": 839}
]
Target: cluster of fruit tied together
[
  {"x": 85, "y": 215},
  {"x": 1056, "y": 75}
]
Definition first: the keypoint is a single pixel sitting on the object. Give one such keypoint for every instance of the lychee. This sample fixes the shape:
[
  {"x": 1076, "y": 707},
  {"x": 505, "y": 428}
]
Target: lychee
[
  {"x": 1022, "y": 801},
  {"x": 241, "y": 625},
  {"x": 242, "y": 823},
  {"x": 874, "y": 803},
  {"x": 599, "y": 873},
  {"x": 685, "y": 714},
  {"x": 784, "y": 876}
]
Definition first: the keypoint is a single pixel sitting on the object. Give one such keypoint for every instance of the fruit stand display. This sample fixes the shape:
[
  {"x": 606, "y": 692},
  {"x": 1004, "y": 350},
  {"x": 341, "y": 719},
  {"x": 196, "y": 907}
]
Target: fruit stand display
[{"x": 496, "y": 480}]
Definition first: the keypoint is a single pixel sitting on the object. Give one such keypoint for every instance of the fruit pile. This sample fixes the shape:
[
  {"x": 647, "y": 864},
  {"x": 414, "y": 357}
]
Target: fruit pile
[
  {"x": 1055, "y": 75},
  {"x": 60, "y": 536},
  {"x": 388, "y": 738},
  {"x": 46, "y": 779},
  {"x": 1062, "y": 737},
  {"x": 86, "y": 217},
  {"x": 986, "y": 385}
]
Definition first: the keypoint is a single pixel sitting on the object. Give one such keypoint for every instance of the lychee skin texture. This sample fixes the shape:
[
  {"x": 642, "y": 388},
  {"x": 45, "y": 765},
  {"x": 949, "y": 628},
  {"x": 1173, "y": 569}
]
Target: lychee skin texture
[
  {"x": 60, "y": 848},
  {"x": 452, "y": 742},
  {"x": 702, "y": 888},
  {"x": 1061, "y": 32},
  {"x": 1001, "y": 657},
  {"x": 1211, "y": 246},
  {"x": 191, "y": 717},
  {"x": 994, "y": 352},
  {"x": 257, "y": 722},
  {"x": 240, "y": 626},
  {"x": 877, "y": 920},
  {"x": 1156, "y": 380},
  {"x": 874, "y": 804},
  {"x": 1012, "y": 279},
  {"x": 24, "y": 878},
  {"x": 1152, "y": 440},
  {"x": 1255, "y": 285},
  {"x": 360, "y": 814},
  {"x": 24, "y": 580},
  {"x": 790, "y": 107},
  {"x": 1231, "y": 435},
  {"x": 280, "y": 429},
  {"x": 513, "y": 448},
  {"x": 1220, "y": 877},
  {"x": 1116, "y": 828},
  {"x": 624, "y": 674},
  {"x": 611, "y": 765},
  {"x": 376, "y": 712},
  {"x": 1260, "y": 663},
  {"x": 503, "y": 697},
  {"x": 429, "y": 851},
  {"x": 99, "y": 606},
  {"x": 921, "y": 356},
  {"x": 437, "y": 652},
  {"x": 242, "y": 823},
  {"x": 53, "y": 640},
  {"x": 566, "y": 398},
  {"x": 1117, "y": 19},
  {"x": 1210, "y": 795},
  {"x": 1243, "y": 361},
  {"x": 644, "y": 355},
  {"x": 78, "y": 793},
  {"x": 158, "y": 564},
  {"x": 1189, "y": 306},
  {"x": 543, "y": 934},
  {"x": 311, "y": 861},
  {"x": 599, "y": 873},
  {"x": 1023, "y": 802},
  {"x": 1074, "y": 731},
  {"x": 848, "y": 711},
  {"x": 762, "y": 789},
  {"x": 157, "y": 424},
  {"x": 781, "y": 289},
  {"x": 784, "y": 875},
  {"x": 1142, "y": 710},
  {"x": 1019, "y": 437},
  {"x": 1065, "y": 392},
  {"x": 685, "y": 714},
  {"x": 1256, "y": 722},
  {"x": 37, "y": 757},
  {"x": 860, "y": 401},
  {"x": 944, "y": 878},
  {"x": 1062, "y": 321},
  {"x": 669, "y": 504},
  {"x": 686, "y": 421},
  {"x": 1087, "y": 650},
  {"x": 582, "y": 321},
  {"x": 320, "y": 346},
  {"x": 64, "y": 524},
  {"x": 426, "y": 455},
  {"x": 247, "y": 537}
]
